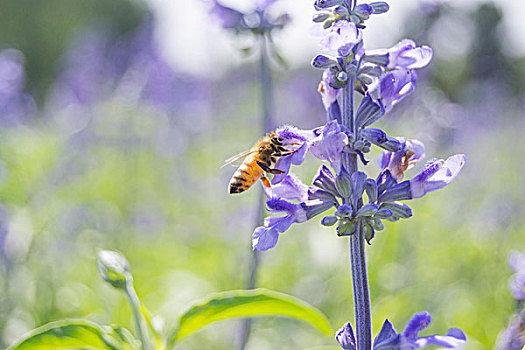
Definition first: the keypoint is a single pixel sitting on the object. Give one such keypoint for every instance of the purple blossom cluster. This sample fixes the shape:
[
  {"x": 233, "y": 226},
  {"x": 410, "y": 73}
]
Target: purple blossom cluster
[
  {"x": 389, "y": 339},
  {"x": 383, "y": 78}
]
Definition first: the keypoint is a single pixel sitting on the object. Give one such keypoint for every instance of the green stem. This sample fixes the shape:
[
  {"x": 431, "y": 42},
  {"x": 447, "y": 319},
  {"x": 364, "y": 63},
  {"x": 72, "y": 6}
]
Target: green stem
[
  {"x": 140, "y": 322},
  {"x": 266, "y": 94}
]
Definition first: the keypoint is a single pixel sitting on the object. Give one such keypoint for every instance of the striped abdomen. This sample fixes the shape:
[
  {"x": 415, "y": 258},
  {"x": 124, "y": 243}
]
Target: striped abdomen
[{"x": 247, "y": 174}]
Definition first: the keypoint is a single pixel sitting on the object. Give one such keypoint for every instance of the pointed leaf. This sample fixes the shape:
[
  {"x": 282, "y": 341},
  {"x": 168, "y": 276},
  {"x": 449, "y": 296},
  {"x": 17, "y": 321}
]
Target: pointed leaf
[
  {"x": 249, "y": 303},
  {"x": 70, "y": 334}
]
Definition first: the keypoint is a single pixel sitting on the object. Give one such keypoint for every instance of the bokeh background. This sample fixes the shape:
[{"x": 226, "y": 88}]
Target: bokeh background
[{"x": 115, "y": 116}]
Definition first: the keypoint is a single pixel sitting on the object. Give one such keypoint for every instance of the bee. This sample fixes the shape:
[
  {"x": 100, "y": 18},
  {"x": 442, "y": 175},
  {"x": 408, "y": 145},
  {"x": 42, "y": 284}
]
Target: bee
[{"x": 260, "y": 159}]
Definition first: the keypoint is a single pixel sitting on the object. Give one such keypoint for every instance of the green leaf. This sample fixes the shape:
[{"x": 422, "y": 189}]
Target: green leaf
[
  {"x": 70, "y": 334},
  {"x": 249, "y": 303}
]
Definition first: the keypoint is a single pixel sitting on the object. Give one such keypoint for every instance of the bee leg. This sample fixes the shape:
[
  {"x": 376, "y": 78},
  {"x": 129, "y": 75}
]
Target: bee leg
[
  {"x": 265, "y": 181},
  {"x": 284, "y": 154},
  {"x": 268, "y": 169}
]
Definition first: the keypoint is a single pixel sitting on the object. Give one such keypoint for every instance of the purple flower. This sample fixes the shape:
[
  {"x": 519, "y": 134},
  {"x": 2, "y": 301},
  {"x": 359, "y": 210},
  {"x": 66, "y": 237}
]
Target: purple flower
[
  {"x": 329, "y": 145},
  {"x": 328, "y": 93},
  {"x": 516, "y": 261},
  {"x": 230, "y": 18},
  {"x": 345, "y": 337},
  {"x": 405, "y": 54},
  {"x": 388, "y": 338},
  {"x": 436, "y": 175},
  {"x": 296, "y": 139},
  {"x": 396, "y": 85},
  {"x": 402, "y": 160},
  {"x": 15, "y": 105},
  {"x": 279, "y": 197},
  {"x": 343, "y": 37}
]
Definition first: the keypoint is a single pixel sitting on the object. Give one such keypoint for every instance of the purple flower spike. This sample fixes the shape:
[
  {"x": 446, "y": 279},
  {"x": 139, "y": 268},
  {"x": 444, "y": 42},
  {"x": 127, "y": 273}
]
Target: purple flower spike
[
  {"x": 405, "y": 54},
  {"x": 389, "y": 339},
  {"x": 343, "y": 37},
  {"x": 436, "y": 175},
  {"x": 329, "y": 145},
  {"x": 396, "y": 85},
  {"x": 345, "y": 337},
  {"x": 402, "y": 160}
]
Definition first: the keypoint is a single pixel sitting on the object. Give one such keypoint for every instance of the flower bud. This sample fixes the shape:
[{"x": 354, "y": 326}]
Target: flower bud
[
  {"x": 113, "y": 268},
  {"x": 328, "y": 23},
  {"x": 358, "y": 184},
  {"x": 369, "y": 111},
  {"x": 323, "y": 4},
  {"x": 398, "y": 192},
  {"x": 399, "y": 209},
  {"x": 344, "y": 211},
  {"x": 373, "y": 71},
  {"x": 346, "y": 229},
  {"x": 342, "y": 77},
  {"x": 320, "y": 17},
  {"x": 323, "y": 62},
  {"x": 391, "y": 144},
  {"x": 379, "y": 7},
  {"x": 341, "y": 11},
  {"x": 367, "y": 210},
  {"x": 365, "y": 79},
  {"x": 368, "y": 230},
  {"x": 325, "y": 180},
  {"x": 376, "y": 136},
  {"x": 383, "y": 213},
  {"x": 363, "y": 11},
  {"x": 315, "y": 207},
  {"x": 377, "y": 224},
  {"x": 356, "y": 19},
  {"x": 329, "y": 220},
  {"x": 371, "y": 190},
  {"x": 343, "y": 184}
]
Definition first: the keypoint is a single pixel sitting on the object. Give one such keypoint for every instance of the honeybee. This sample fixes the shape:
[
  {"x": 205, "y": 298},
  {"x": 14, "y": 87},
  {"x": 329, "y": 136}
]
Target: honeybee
[{"x": 259, "y": 159}]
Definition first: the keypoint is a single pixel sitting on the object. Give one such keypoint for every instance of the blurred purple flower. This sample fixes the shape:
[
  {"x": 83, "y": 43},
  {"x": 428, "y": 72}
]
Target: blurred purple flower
[
  {"x": 513, "y": 337},
  {"x": 15, "y": 105},
  {"x": 388, "y": 338},
  {"x": 402, "y": 160},
  {"x": 229, "y": 18},
  {"x": 516, "y": 261},
  {"x": 343, "y": 36}
]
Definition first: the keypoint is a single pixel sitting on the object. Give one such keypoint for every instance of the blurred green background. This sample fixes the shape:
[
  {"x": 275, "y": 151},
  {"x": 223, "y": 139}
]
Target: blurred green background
[{"x": 106, "y": 143}]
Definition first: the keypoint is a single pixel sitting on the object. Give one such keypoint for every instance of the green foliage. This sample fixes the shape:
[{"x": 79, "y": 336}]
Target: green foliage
[
  {"x": 249, "y": 303},
  {"x": 76, "y": 334}
]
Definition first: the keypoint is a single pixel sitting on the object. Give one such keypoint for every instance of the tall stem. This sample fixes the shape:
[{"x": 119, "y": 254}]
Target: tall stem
[
  {"x": 266, "y": 94},
  {"x": 140, "y": 322},
  {"x": 363, "y": 319}
]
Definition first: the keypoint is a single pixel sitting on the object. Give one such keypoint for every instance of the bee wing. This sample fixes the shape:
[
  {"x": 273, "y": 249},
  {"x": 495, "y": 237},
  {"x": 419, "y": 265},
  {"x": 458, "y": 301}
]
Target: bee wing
[{"x": 237, "y": 157}]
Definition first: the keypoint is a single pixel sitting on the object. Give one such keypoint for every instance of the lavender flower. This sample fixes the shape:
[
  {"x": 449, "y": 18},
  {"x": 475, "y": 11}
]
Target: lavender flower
[
  {"x": 345, "y": 337},
  {"x": 329, "y": 145},
  {"x": 436, "y": 175},
  {"x": 402, "y": 160},
  {"x": 388, "y": 338},
  {"x": 279, "y": 197},
  {"x": 516, "y": 261},
  {"x": 343, "y": 37},
  {"x": 15, "y": 105},
  {"x": 404, "y": 54}
]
